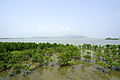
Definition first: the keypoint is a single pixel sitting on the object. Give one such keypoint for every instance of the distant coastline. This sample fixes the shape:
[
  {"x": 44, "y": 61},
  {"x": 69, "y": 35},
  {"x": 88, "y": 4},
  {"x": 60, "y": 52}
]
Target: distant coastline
[
  {"x": 57, "y": 37},
  {"x": 11, "y": 38},
  {"x": 112, "y": 38}
]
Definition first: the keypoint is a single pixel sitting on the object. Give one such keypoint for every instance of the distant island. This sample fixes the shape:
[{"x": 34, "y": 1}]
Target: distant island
[
  {"x": 112, "y": 38},
  {"x": 62, "y": 37},
  {"x": 53, "y": 37}
]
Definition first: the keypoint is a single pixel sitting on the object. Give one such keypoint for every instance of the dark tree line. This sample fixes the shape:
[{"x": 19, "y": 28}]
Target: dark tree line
[{"x": 16, "y": 46}]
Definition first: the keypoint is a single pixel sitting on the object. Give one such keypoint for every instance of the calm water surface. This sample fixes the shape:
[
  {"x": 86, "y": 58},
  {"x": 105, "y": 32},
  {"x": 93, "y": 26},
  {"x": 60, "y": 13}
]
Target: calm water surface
[{"x": 65, "y": 41}]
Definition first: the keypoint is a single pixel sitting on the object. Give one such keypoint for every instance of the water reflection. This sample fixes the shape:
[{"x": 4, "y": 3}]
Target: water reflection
[{"x": 76, "y": 72}]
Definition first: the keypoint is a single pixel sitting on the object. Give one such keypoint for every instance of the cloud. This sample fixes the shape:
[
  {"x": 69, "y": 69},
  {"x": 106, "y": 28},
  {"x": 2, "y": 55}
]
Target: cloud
[
  {"x": 47, "y": 31},
  {"x": 34, "y": 29},
  {"x": 66, "y": 29}
]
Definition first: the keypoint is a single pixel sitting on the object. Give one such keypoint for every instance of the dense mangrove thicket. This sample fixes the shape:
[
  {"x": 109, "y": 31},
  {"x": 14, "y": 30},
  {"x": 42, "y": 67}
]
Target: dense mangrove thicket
[
  {"x": 28, "y": 56},
  {"x": 13, "y": 46}
]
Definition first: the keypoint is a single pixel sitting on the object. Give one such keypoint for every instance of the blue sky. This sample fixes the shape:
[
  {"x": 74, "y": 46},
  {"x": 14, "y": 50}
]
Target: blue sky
[{"x": 28, "y": 18}]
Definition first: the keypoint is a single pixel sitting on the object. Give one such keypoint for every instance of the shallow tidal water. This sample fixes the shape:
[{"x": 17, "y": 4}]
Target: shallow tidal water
[
  {"x": 67, "y": 41},
  {"x": 75, "y": 72}
]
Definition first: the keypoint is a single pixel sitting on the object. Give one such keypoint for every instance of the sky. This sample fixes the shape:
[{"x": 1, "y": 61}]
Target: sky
[{"x": 33, "y": 18}]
